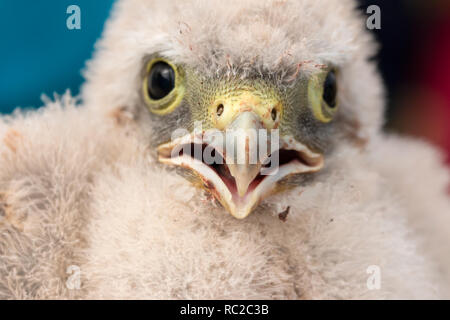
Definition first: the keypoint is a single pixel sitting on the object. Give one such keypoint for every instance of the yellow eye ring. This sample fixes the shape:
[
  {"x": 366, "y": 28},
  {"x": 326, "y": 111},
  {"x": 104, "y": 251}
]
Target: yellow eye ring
[
  {"x": 319, "y": 91},
  {"x": 163, "y": 86}
]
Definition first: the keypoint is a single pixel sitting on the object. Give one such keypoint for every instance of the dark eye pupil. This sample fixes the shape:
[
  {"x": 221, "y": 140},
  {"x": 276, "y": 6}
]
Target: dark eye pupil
[
  {"x": 330, "y": 89},
  {"x": 161, "y": 80}
]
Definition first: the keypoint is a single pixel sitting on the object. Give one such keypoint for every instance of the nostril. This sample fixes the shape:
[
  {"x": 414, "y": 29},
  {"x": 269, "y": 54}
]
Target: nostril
[
  {"x": 220, "y": 109},
  {"x": 274, "y": 114}
]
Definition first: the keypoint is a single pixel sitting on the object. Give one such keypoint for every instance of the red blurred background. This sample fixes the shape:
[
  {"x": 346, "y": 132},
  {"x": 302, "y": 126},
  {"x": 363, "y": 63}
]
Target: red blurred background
[{"x": 415, "y": 62}]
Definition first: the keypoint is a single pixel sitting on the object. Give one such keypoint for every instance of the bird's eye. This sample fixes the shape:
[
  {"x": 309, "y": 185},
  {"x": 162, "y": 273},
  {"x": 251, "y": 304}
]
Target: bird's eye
[
  {"x": 161, "y": 80},
  {"x": 330, "y": 89},
  {"x": 322, "y": 95},
  {"x": 163, "y": 86}
]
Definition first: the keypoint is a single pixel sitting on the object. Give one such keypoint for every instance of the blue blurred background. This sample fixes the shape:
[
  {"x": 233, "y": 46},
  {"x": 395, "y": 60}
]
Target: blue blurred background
[{"x": 39, "y": 54}]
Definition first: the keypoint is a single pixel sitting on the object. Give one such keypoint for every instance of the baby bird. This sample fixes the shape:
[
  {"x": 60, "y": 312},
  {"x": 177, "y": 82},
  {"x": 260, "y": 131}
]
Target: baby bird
[{"x": 113, "y": 195}]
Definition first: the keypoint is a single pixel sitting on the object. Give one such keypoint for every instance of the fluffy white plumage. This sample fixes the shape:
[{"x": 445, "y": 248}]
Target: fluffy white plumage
[{"x": 80, "y": 186}]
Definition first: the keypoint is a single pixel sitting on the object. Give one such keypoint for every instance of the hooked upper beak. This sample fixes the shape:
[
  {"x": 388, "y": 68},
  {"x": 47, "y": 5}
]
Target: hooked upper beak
[
  {"x": 243, "y": 158},
  {"x": 243, "y": 166}
]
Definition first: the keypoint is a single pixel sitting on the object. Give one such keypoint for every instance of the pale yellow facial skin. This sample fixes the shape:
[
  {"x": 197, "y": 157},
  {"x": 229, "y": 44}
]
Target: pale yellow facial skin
[{"x": 268, "y": 109}]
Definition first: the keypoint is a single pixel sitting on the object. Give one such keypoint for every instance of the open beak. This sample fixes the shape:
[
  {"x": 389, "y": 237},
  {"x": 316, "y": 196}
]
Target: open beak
[{"x": 242, "y": 164}]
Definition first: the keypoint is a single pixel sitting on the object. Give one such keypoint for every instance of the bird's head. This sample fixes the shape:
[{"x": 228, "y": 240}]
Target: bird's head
[
  {"x": 243, "y": 98},
  {"x": 242, "y": 138}
]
